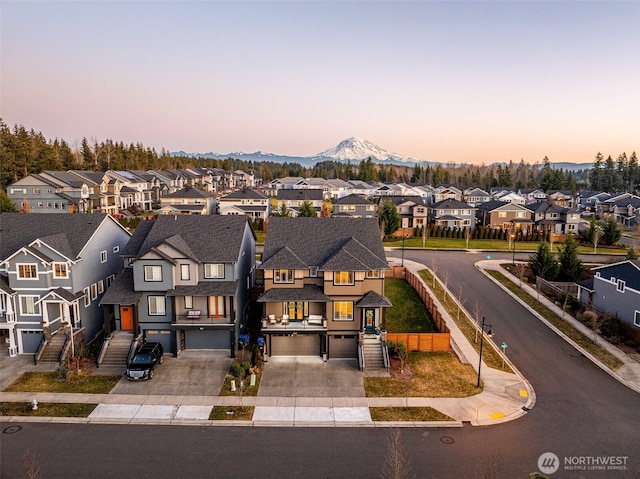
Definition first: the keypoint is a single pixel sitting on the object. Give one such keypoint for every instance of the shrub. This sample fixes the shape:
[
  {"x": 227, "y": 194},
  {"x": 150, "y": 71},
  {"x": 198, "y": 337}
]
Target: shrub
[
  {"x": 246, "y": 365},
  {"x": 237, "y": 370},
  {"x": 391, "y": 346}
]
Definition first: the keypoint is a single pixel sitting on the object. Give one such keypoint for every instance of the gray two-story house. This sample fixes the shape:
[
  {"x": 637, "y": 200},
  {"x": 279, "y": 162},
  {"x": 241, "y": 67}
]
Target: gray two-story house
[
  {"x": 187, "y": 282},
  {"x": 54, "y": 269},
  {"x": 354, "y": 206}
]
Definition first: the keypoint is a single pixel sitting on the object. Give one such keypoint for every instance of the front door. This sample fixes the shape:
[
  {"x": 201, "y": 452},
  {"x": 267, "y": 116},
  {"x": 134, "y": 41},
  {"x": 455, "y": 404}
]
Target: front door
[
  {"x": 369, "y": 321},
  {"x": 126, "y": 318}
]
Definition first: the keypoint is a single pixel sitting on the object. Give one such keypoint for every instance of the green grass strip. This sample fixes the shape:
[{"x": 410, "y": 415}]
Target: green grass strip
[
  {"x": 408, "y": 414},
  {"x": 46, "y": 409}
]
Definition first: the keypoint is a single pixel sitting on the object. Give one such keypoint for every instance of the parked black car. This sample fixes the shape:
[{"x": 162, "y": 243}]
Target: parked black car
[{"x": 145, "y": 361}]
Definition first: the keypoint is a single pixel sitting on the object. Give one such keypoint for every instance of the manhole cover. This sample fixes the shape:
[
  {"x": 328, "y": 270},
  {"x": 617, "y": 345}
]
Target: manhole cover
[
  {"x": 11, "y": 429},
  {"x": 447, "y": 440}
]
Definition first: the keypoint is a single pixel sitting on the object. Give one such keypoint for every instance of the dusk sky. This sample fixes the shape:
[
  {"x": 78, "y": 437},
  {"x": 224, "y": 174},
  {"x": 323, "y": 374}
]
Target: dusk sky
[{"x": 473, "y": 82}]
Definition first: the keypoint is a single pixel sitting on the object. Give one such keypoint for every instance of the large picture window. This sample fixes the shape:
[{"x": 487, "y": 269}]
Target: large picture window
[
  {"x": 153, "y": 273},
  {"x": 343, "y": 277},
  {"x": 29, "y": 306},
  {"x": 214, "y": 270},
  {"x": 283, "y": 276},
  {"x": 343, "y": 311},
  {"x": 216, "y": 307},
  {"x": 156, "y": 306},
  {"x": 27, "y": 271}
]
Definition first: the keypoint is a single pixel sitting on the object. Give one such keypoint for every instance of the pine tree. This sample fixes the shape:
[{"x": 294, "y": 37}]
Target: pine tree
[
  {"x": 543, "y": 263},
  {"x": 570, "y": 265},
  {"x": 390, "y": 217},
  {"x": 307, "y": 210}
]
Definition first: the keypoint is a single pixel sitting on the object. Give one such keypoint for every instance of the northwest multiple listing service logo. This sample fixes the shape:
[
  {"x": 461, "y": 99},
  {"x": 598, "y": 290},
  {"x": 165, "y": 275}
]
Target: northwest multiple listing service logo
[{"x": 548, "y": 463}]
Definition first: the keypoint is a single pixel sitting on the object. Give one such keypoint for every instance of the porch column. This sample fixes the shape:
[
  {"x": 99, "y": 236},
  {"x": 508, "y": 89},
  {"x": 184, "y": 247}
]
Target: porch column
[{"x": 13, "y": 347}]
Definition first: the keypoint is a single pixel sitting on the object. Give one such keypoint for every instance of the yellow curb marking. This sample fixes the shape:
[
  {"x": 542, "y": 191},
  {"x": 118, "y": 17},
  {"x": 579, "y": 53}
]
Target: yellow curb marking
[
  {"x": 524, "y": 393},
  {"x": 496, "y": 415}
]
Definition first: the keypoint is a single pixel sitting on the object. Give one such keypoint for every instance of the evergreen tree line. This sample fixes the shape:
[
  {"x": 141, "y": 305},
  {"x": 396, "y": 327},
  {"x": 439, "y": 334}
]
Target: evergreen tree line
[{"x": 23, "y": 152}]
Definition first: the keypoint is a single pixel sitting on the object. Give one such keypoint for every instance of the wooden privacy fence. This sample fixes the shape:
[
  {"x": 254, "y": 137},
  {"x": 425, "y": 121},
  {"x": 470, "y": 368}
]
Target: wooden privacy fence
[{"x": 422, "y": 341}]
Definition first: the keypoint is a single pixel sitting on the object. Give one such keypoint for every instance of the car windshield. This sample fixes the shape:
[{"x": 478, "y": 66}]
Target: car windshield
[{"x": 141, "y": 359}]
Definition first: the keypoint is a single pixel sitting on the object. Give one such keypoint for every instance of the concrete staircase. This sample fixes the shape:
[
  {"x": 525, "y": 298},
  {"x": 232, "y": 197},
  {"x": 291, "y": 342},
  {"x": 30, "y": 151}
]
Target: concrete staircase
[
  {"x": 115, "y": 357},
  {"x": 372, "y": 352},
  {"x": 53, "y": 349}
]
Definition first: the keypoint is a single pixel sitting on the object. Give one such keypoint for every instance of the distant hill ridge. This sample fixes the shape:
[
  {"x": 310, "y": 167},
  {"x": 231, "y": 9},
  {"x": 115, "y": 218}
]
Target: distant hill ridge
[{"x": 352, "y": 149}]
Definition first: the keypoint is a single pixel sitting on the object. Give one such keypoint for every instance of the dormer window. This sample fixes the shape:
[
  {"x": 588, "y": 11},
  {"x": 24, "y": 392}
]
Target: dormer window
[{"x": 313, "y": 271}]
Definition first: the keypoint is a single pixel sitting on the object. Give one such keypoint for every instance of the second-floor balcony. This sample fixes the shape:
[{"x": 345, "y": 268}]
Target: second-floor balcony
[
  {"x": 284, "y": 323},
  {"x": 196, "y": 317}
]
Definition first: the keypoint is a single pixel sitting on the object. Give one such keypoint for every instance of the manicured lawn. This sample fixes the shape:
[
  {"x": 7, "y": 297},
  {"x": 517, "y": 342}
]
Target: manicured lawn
[
  {"x": 231, "y": 413},
  {"x": 602, "y": 355},
  {"x": 437, "y": 374},
  {"x": 46, "y": 409},
  {"x": 408, "y": 314},
  {"x": 52, "y": 382},
  {"x": 407, "y": 414}
]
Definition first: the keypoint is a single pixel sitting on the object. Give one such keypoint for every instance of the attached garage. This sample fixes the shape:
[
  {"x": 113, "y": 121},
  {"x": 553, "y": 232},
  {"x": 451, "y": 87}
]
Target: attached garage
[
  {"x": 30, "y": 341},
  {"x": 341, "y": 347},
  {"x": 207, "y": 339},
  {"x": 295, "y": 345},
  {"x": 162, "y": 336}
]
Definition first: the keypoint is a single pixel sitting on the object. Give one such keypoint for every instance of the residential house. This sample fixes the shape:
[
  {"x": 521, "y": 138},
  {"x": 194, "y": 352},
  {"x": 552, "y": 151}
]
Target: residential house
[
  {"x": 616, "y": 290},
  {"x": 359, "y": 187},
  {"x": 189, "y": 201},
  {"x": 54, "y": 269},
  {"x": 444, "y": 192},
  {"x": 323, "y": 285},
  {"x": 452, "y": 213},
  {"x": 245, "y": 179},
  {"x": 555, "y": 219},
  {"x": 532, "y": 195},
  {"x": 293, "y": 199},
  {"x": 286, "y": 183},
  {"x": 501, "y": 214},
  {"x": 562, "y": 198},
  {"x": 135, "y": 192},
  {"x": 412, "y": 210},
  {"x": 187, "y": 282},
  {"x": 625, "y": 208},
  {"x": 46, "y": 193},
  {"x": 591, "y": 201},
  {"x": 354, "y": 206},
  {"x": 246, "y": 201},
  {"x": 475, "y": 196},
  {"x": 104, "y": 196},
  {"x": 509, "y": 197}
]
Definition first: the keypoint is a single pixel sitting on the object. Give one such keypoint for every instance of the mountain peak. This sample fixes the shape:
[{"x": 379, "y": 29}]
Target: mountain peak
[{"x": 355, "y": 148}]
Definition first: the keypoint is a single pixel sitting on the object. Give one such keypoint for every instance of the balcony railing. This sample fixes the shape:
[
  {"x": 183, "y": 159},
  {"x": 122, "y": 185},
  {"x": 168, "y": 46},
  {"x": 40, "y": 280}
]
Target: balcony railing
[
  {"x": 284, "y": 324},
  {"x": 7, "y": 317},
  {"x": 201, "y": 319}
]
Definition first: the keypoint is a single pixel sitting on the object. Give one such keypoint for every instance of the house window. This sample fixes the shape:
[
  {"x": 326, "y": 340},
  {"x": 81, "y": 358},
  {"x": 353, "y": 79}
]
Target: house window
[
  {"x": 156, "y": 305},
  {"x": 103, "y": 256},
  {"x": 636, "y": 319},
  {"x": 621, "y": 285},
  {"x": 40, "y": 204},
  {"x": 296, "y": 309},
  {"x": 116, "y": 249},
  {"x": 216, "y": 307},
  {"x": 188, "y": 302},
  {"x": 29, "y": 306},
  {"x": 214, "y": 270},
  {"x": 27, "y": 271},
  {"x": 184, "y": 272},
  {"x": 520, "y": 214},
  {"x": 110, "y": 279},
  {"x": 94, "y": 291},
  {"x": 502, "y": 214},
  {"x": 343, "y": 277},
  {"x": 153, "y": 273},
  {"x": 100, "y": 287},
  {"x": 373, "y": 274},
  {"x": 60, "y": 270},
  {"x": 87, "y": 298},
  {"x": 283, "y": 276},
  {"x": 343, "y": 311}
]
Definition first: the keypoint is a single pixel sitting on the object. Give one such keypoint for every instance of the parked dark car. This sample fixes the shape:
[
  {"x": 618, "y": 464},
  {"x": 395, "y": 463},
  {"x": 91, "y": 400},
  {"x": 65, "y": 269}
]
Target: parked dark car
[{"x": 145, "y": 361}]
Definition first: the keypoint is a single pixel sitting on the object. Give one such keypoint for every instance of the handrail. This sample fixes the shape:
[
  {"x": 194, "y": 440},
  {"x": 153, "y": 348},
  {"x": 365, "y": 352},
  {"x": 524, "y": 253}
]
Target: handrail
[
  {"x": 133, "y": 348},
  {"x": 385, "y": 354},
  {"x": 360, "y": 357},
  {"x": 103, "y": 350},
  {"x": 40, "y": 350}
]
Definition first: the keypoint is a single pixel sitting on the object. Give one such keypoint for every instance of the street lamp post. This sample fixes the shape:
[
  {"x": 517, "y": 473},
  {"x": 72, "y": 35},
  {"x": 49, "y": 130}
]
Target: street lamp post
[
  {"x": 489, "y": 334},
  {"x": 513, "y": 255},
  {"x": 403, "y": 236}
]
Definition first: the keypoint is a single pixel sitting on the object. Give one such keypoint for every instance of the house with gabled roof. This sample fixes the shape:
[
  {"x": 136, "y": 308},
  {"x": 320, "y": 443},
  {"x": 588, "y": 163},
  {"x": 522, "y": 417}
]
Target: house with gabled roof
[
  {"x": 615, "y": 289},
  {"x": 501, "y": 214},
  {"x": 553, "y": 218},
  {"x": 187, "y": 282},
  {"x": 294, "y": 198},
  {"x": 412, "y": 209},
  {"x": 188, "y": 201},
  {"x": 323, "y": 286},
  {"x": 444, "y": 192},
  {"x": 354, "y": 206},
  {"x": 54, "y": 270},
  {"x": 246, "y": 201},
  {"x": 452, "y": 213},
  {"x": 625, "y": 208},
  {"x": 532, "y": 195},
  {"x": 47, "y": 192},
  {"x": 475, "y": 196},
  {"x": 591, "y": 201}
]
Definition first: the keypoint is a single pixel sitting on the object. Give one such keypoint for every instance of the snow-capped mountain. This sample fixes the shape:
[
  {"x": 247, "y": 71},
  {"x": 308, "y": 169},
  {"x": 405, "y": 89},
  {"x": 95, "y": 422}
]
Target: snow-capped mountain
[{"x": 357, "y": 149}]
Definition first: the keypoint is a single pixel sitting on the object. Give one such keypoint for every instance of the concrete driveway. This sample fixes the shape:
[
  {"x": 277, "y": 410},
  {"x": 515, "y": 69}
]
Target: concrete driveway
[
  {"x": 193, "y": 373},
  {"x": 311, "y": 377}
]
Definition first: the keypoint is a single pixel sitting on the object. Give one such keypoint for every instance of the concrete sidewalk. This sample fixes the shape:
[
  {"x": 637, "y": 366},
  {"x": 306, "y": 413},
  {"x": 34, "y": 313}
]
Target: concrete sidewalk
[{"x": 341, "y": 402}]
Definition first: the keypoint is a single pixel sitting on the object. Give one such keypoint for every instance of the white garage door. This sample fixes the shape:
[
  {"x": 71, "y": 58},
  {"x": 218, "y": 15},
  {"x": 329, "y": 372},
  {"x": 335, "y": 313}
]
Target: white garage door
[
  {"x": 298, "y": 345},
  {"x": 343, "y": 346}
]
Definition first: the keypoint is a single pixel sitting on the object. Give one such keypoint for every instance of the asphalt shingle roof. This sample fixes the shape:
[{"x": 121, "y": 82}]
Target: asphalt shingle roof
[
  {"x": 373, "y": 300},
  {"x": 246, "y": 193},
  {"x": 300, "y": 194},
  {"x": 352, "y": 199},
  {"x": 67, "y": 233},
  {"x": 316, "y": 241},
  {"x": 121, "y": 290},
  {"x": 206, "y": 288},
  {"x": 309, "y": 292},
  {"x": 627, "y": 271}
]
